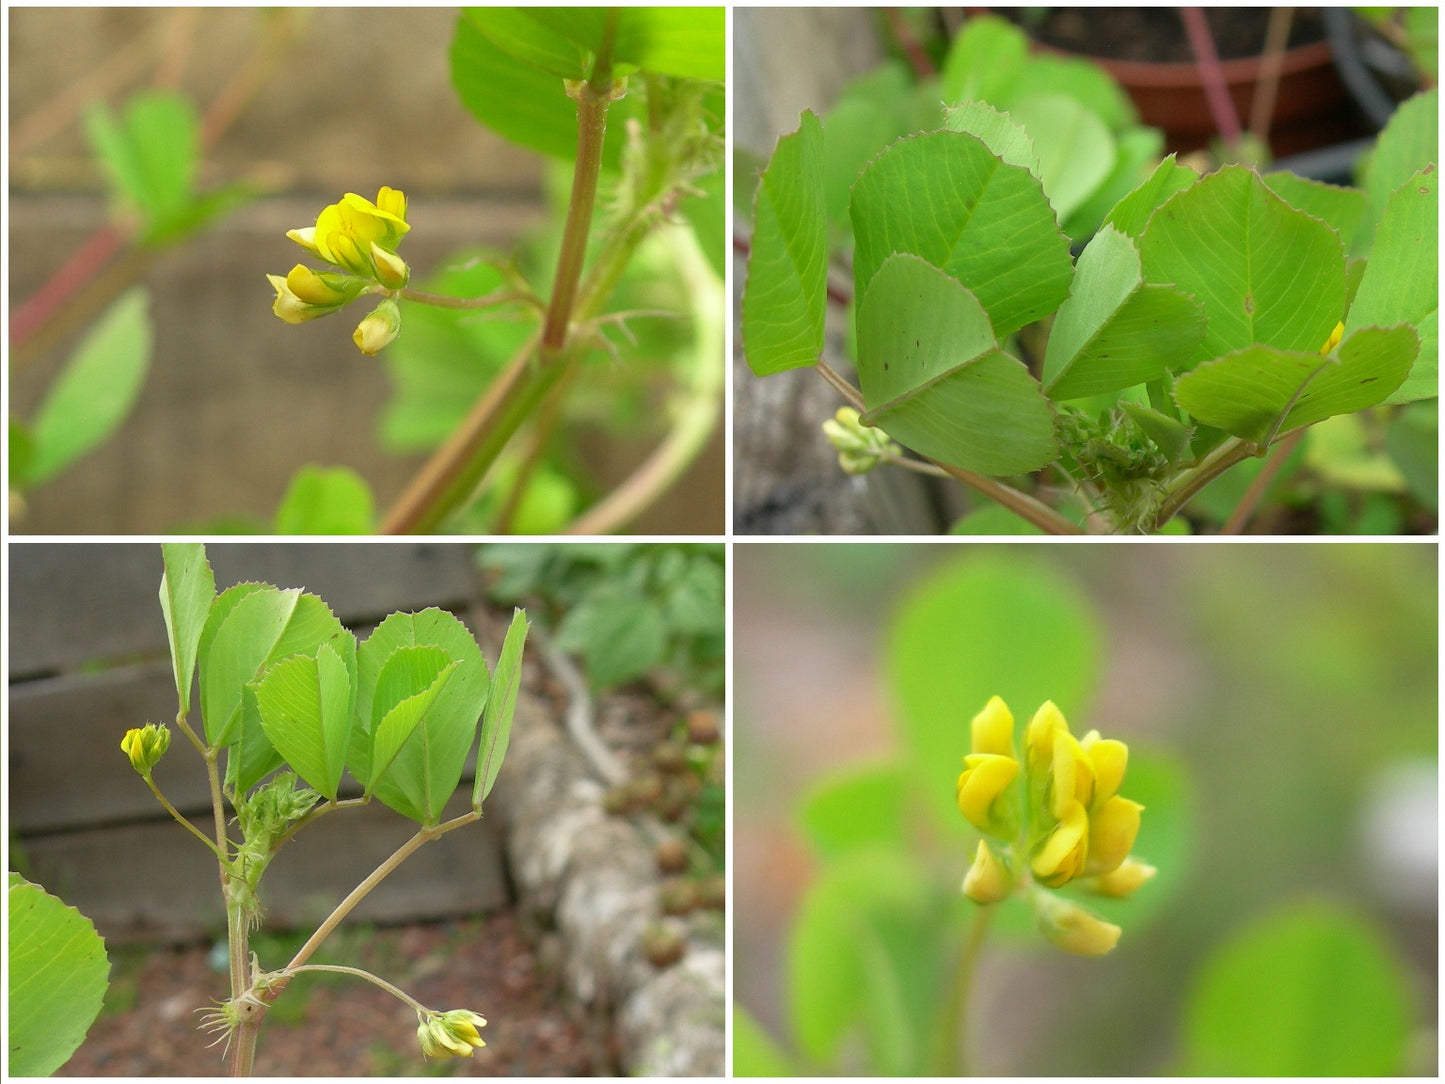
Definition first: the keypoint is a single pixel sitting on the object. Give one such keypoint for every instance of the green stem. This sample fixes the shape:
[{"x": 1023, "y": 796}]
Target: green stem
[
  {"x": 174, "y": 812},
  {"x": 340, "y": 969},
  {"x": 1187, "y": 486},
  {"x": 951, "y": 1049},
  {"x": 424, "y": 835},
  {"x": 443, "y": 301}
]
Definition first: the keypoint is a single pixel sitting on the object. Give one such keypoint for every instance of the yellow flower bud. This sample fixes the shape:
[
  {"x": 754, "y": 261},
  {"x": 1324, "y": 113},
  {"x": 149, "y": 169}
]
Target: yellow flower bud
[
  {"x": 1334, "y": 339},
  {"x": 1109, "y": 759},
  {"x": 388, "y": 268},
  {"x": 1060, "y": 857},
  {"x": 1122, "y": 881},
  {"x": 987, "y": 880},
  {"x": 451, "y": 1034},
  {"x": 145, "y": 746},
  {"x": 1112, "y": 831},
  {"x": 993, "y": 729},
  {"x": 1072, "y": 927},
  {"x": 305, "y": 295},
  {"x": 1073, "y": 774},
  {"x": 1039, "y": 736},
  {"x": 981, "y": 786},
  {"x": 379, "y": 329}
]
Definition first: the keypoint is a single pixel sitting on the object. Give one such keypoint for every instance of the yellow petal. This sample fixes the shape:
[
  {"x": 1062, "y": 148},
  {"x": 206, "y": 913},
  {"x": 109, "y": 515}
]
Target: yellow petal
[
  {"x": 1039, "y": 736},
  {"x": 1124, "y": 880},
  {"x": 980, "y": 786},
  {"x": 1112, "y": 831},
  {"x": 1109, "y": 759},
  {"x": 987, "y": 880},
  {"x": 1060, "y": 858},
  {"x": 1073, "y": 774},
  {"x": 993, "y": 729},
  {"x": 1072, "y": 927}
]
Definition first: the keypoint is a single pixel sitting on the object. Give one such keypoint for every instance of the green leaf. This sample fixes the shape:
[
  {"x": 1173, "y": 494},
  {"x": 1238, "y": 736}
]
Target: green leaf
[
  {"x": 933, "y": 378},
  {"x": 1413, "y": 441},
  {"x": 1137, "y": 156},
  {"x": 1402, "y": 279},
  {"x": 871, "y": 113},
  {"x": 619, "y": 633},
  {"x": 524, "y": 103},
  {"x": 1131, "y": 214},
  {"x": 501, "y": 706},
  {"x": 426, "y": 770},
  {"x": 1409, "y": 143},
  {"x": 945, "y": 197},
  {"x": 1265, "y": 273},
  {"x": 683, "y": 42},
  {"x": 1259, "y": 392},
  {"x": 984, "y": 61},
  {"x": 22, "y": 452},
  {"x": 1083, "y": 81},
  {"x": 411, "y": 682},
  {"x": 1335, "y": 1003},
  {"x": 998, "y": 131},
  {"x": 96, "y": 388},
  {"x": 188, "y": 587},
  {"x": 326, "y": 500},
  {"x": 250, "y": 627},
  {"x": 1342, "y": 208},
  {"x": 305, "y": 706},
  {"x": 56, "y": 978},
  {"x": 857, "y": 808},
  {"x": 868, "y": 952},
  {"x": 1027, "y": 633},
  {"x": 151, "y": 155},
  {"x": 754, "y": 1051},
  {"x": 1076, "y": 151},
  {"x": 786, "y": 291},
  {"x": 1115, "y": 331}
]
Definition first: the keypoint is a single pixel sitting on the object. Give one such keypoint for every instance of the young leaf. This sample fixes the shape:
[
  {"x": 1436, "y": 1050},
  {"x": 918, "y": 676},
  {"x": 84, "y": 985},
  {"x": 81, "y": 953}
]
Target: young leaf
[
  {"x": 429, "y": 763},
  {"x": 945, "y": 197},
  {"x": 1131, "y": 214},
  {"x": 933, "y": 377},
  {"x": 152, "y": 154},
  {"x": 501, "y": 705},
  {"x": 250, "y": 627},
  {"x": 188, "y": 587},
  {"x": 326, "y": 500},
  {"x": 1076, "y": 150},
  {"x": 786, "y": 291},
  {"x": 305, "y": 707},
  {"x": 1402, "y": 279},
  {"x": 1261, "y": 391},
  {"x": 1265, "y": 273},
  {"x": 984, "y": 61},
  {"x": 618, "y": 631},
  {"x": 95, "y": 390},
  {"x": 754, "y": 1051},
  {"x": 1336, "y": 1003},
  {"x": 58, "y": 973},
  {"x": 1115, "y": 330},
  {"x": 412, "y": 681}
]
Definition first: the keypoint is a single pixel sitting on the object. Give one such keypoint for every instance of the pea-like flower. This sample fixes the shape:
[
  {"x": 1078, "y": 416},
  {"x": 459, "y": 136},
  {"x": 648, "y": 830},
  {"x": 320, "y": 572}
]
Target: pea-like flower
[
  {"x": 1056, "y": 818},
  {"x": 305, "y": 294},
  {"x": 379, "y": 329},
  {"x": 451, "y": 1034},
  {"x": 361, "y": 237},
  {"x": 145, "y": 746}
]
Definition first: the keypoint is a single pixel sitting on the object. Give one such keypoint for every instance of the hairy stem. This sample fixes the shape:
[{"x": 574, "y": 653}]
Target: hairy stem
[{"x": 1187, "y": 486}]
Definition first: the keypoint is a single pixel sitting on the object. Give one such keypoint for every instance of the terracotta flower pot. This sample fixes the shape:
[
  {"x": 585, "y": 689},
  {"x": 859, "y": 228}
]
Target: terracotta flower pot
[{"x": 1311, "y": 107}]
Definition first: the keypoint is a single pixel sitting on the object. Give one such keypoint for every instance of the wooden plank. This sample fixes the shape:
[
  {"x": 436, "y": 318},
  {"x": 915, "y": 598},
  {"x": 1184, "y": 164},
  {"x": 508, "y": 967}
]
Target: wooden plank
[
  {"x": 154, "y": 883},
  {"x": 76, "y": 603}
]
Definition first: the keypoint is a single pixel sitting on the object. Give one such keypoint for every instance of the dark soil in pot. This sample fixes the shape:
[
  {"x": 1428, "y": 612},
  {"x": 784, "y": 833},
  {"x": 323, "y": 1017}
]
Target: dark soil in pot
[{"x": 1156, "y": 34}]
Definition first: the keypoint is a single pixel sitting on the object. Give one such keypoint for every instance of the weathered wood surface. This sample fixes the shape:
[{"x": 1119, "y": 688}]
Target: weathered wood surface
[
  {"x": 87, "y": 827},
  {"x": 786, "y": 478}
]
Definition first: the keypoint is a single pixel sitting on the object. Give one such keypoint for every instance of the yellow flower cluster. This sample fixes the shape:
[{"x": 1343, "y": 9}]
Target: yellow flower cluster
[
  {"x": 1058, "y": 817},
  {"x": 359, "y": 237},
  {"x": 451, "y": 1034},
  {"x": 145, "y": 746}
]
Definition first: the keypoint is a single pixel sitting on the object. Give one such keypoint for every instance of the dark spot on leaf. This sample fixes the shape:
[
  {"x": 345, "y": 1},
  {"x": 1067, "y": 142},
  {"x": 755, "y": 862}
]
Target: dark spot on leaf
[
  {"x": 885, "y": 366},
  {"x": 1249, "y": 304},
  {"x": 915, "y": 342},
  {"x": 1369, "y": 380}
]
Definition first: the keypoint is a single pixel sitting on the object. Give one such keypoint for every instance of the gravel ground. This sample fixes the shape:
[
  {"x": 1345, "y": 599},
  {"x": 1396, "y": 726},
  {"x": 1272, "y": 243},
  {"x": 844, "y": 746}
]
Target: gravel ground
[{"x": 338, "y": 1026}]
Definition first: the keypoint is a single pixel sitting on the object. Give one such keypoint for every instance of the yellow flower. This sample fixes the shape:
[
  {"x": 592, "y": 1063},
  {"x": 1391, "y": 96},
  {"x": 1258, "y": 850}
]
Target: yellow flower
[
  {"x": 1112, "y": 830},
  {"x": 145, "y": 746},
  {"x": 1072, "y": 927},
  {"x": 1334, "y": 339},
  {"x": 361, "y": 236},
  {"x": 988, "y": 880},
  {"x": 981, "y": 785},
  {"x": 305, "y": 294},
  {"x": 451, "y": 1034},
  {"x": 379, "y": 329},
  {"x": 1060, "y": 858},
  {"x": 1122, "y": 881},
  {"x": 993, "y": 729}
]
